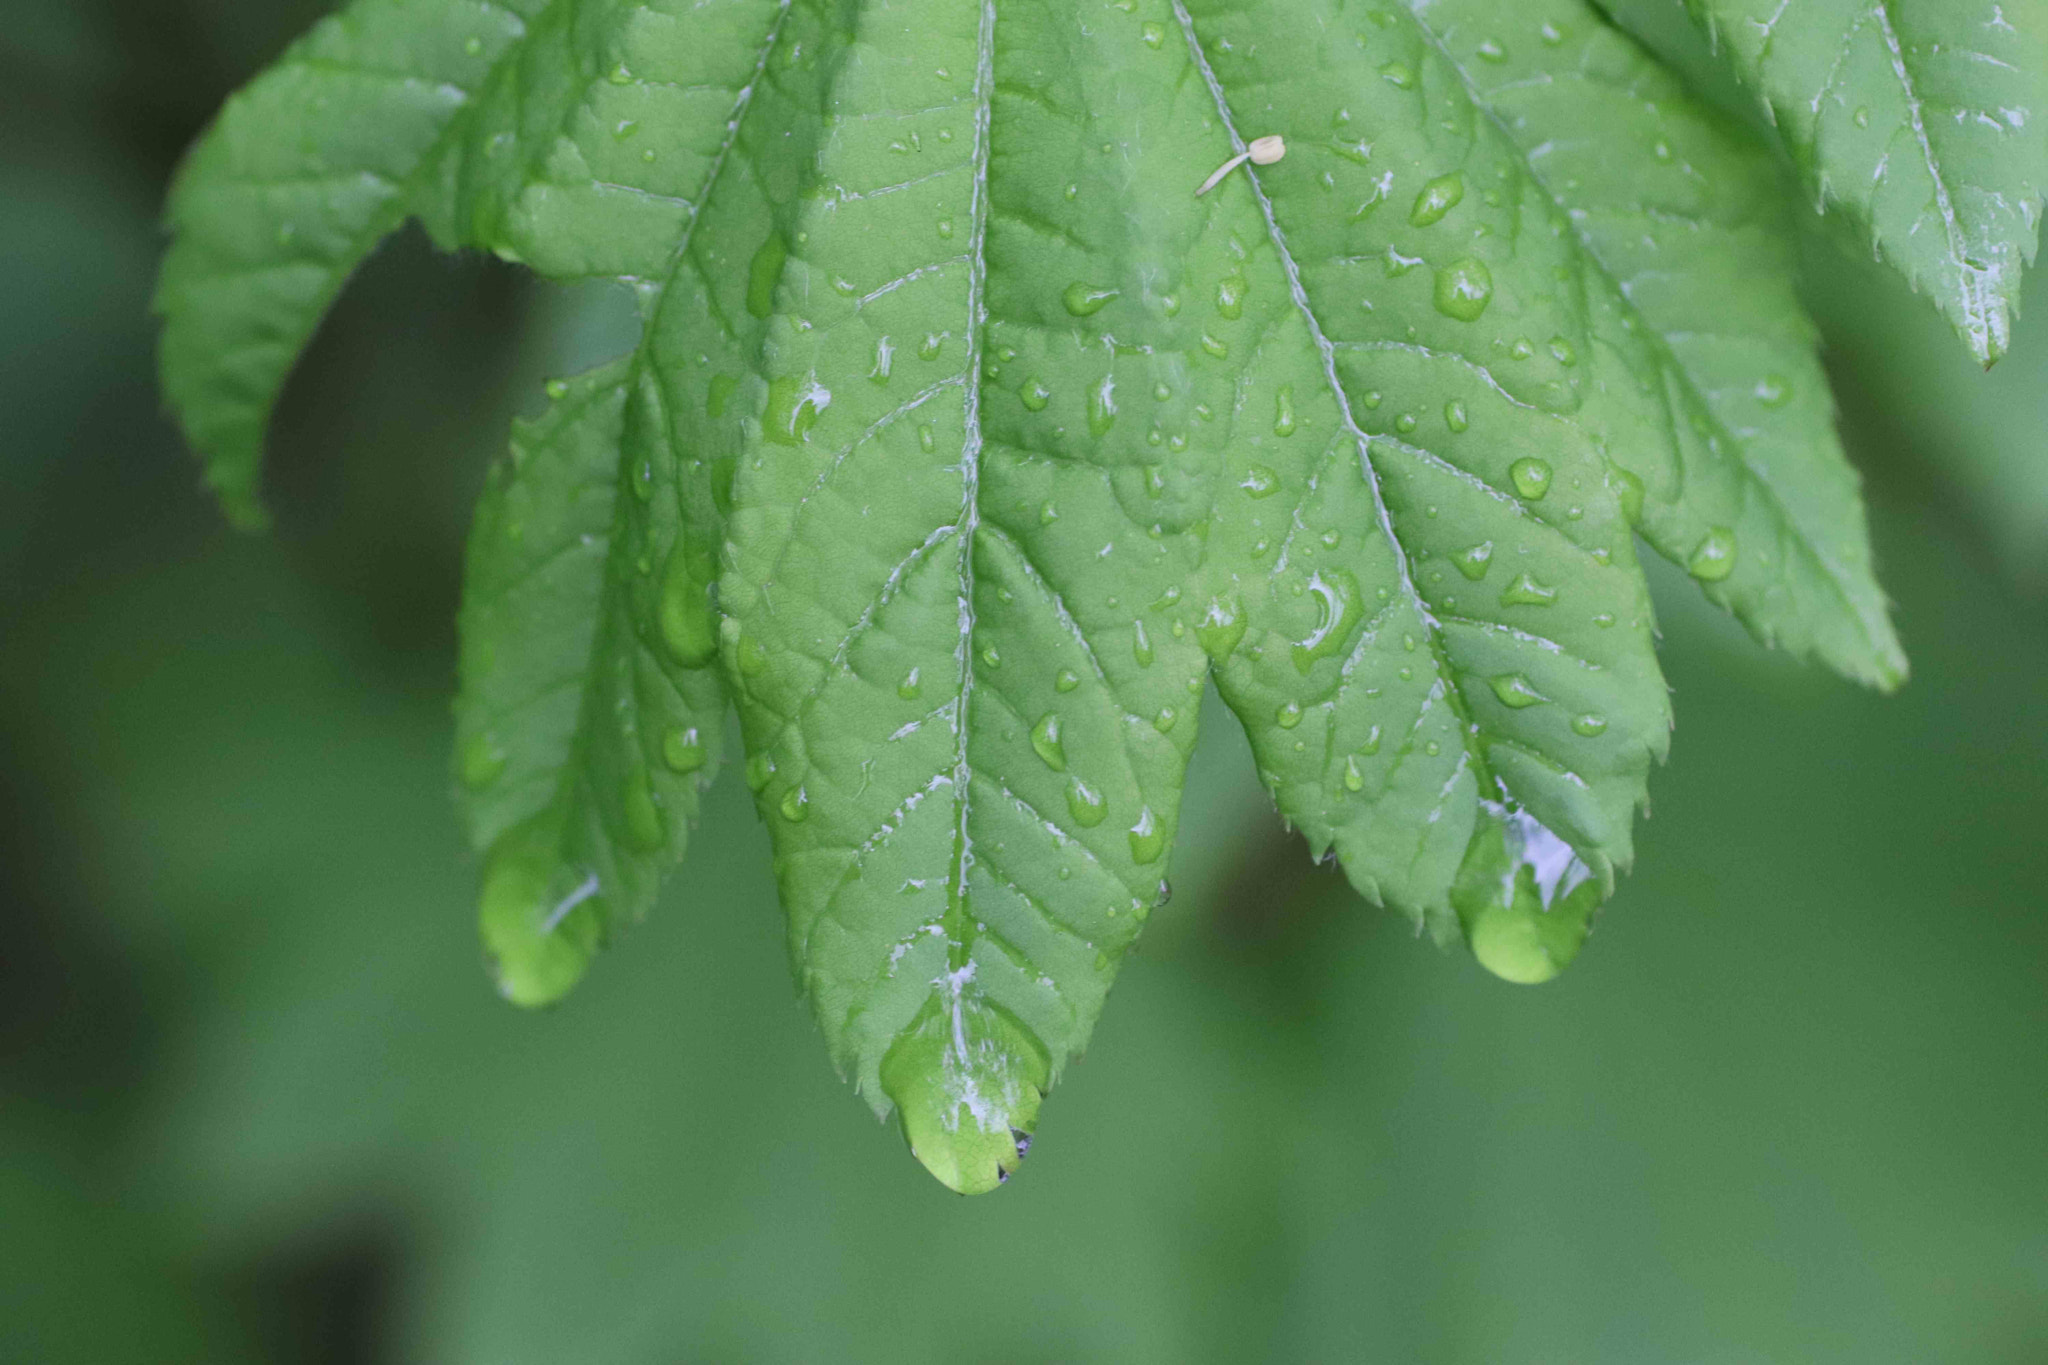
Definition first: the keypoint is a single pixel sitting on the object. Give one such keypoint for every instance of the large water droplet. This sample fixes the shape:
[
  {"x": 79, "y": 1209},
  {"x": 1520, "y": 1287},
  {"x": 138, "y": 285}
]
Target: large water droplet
[
  {"x": 483, "y": 760},
  {"x": 1283, "y": 411},
  {"x": 1713, "y": 559},
  {"x": 1220, "y": 628},
  {"x": 1525, "y": 591},
  {"x": 1288, "y": 715},
  {"x": 1437, "y": 198},
  {"x": 1045, "y": 738},
  {"x": 688, "y": 627},
  {"x": 1148, "y": 841},
  {"x": 1034, "y": 394},
  {"x": 1086, "y": 805},
  {"x": 1463, "y": 289},
  {"x": 1475, "y": 560},
  {"x": 1230, "y": 296},
  {"x": 682, "y": 750},
  {"x": 1530, "y": 476},
  {"x": 646, "y": 830},
  {"x": 1339, "y": 605},
  {"x": 1102, "y": 407},
  {"x": 1260, "y": 481},
  {"x": 1085, "y": 300},
  {"x": 1514, "y": 691}
]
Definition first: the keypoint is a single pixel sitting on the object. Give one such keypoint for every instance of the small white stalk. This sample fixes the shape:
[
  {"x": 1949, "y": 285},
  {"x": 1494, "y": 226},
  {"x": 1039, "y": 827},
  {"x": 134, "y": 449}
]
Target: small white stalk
[{"x": 1263, "y": 151}]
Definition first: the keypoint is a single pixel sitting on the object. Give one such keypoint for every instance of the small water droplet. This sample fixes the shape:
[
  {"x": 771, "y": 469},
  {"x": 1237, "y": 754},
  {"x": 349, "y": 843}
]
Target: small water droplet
[
  {"x": 1166, "y": 719},
  {"x": 910, "y": 687},
  {"x": 1035, "y": 394},
  {"x": 1288, "y": 715},
  {"x": 1398, "y": 75},
  {"x": 1101, "y": 406},
  {"x": 558, "y": 389},
  {"x": 1530, "y": 476},
  {"x": 1354, "y": 776},
  {"x": 1590, "y": 725},
  {"x": 796, "y": 805},
  {"x": 760, "y": 771},
  {"x": 945, "y": 227},
  {"x": 1066, "y": 680},
  {"x": 1153, "y": 34},
  {"x": 1086, "y": 805},
  {"x": 1714, "y": 557},
  {"x": 1514, "y": 691},
  {"x": 992, "y": 657},
  {"x": 1372, "y": 742},
  {"x": 1563, "y": 352},
  {"x": 1141, "y": 644},
  {"x": 1455, "y": 417},
  {"x": 1220, "y": 628},
  {"x": 1463, "y": 289},
  {"x": 1338, "y": 609},
  {"x": 1475, "y": 560},
  {"x": 1214, "y": 347},
  {"x": 1490, "y": 50},
  {"x": 1774, "y": 391}
]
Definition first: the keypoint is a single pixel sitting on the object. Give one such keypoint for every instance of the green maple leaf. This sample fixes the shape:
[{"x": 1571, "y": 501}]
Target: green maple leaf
[
  {"x": 1924, "y": 122},
  {"x": 966, "y": 443}
]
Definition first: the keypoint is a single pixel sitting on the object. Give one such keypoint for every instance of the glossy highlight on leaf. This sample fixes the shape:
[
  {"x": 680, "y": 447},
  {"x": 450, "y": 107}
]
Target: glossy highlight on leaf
[{"x": 966, "y": 444}]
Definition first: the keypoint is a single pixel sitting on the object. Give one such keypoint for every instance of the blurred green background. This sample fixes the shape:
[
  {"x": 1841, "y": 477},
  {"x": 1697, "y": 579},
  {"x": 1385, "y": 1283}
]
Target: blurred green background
[{"x": 257, "y": 1102}]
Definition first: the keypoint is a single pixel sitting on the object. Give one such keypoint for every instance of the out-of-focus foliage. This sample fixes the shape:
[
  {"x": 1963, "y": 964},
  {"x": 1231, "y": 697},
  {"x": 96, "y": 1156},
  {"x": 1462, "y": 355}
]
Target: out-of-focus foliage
[{"x": 1789, "y": 1111}]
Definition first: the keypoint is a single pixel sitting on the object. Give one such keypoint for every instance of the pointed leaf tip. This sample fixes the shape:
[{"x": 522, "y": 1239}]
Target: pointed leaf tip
[{"x": 966, "y": 1079}]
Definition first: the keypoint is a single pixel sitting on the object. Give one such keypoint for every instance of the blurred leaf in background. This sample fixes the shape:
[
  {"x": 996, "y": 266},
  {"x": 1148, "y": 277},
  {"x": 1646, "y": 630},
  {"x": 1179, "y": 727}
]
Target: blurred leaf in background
[{"x": 257, "y": 1102}]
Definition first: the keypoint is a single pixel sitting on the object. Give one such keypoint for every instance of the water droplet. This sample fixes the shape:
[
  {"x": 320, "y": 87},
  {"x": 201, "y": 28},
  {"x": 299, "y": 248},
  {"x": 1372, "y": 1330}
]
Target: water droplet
[
  {"x": 1214, "y": 347},
  {"x": 1861, "y": 116},
  {"x": 1714, "y": 558},
  {"x": 910, "y": 687},
  {"x": 992, "y": 657},
  {"x": 1628, "y": 491},
  {"x": 1230, "y": 296},
  {"x": 750, "y": 656},
  {"x": 1552, "y": 34},
  {"x": 1283, "y": 411},
  {"x": 1474, "y": 562},
  {"x": 1530, "y": 476},
  {"x": 1101, "y": 406},
  {"x": 1086, "y": 804},
  {"x": 1491, "y": 51},
  {"x": 1563, "y": 352},
  {"x": 927, "y": 441},
  {"x": 1260, "y": 481},
  {"x": 1045, "y": 739},
  {"x": 1035, "y": 394},
  {"x": 1405, "y": 423},
  {"x": 760, "y": 771},
  {"x": 945, "y": 227},
  {"x": 474, "y": 47},
  {"x": 1398, "y": 75},
  {"x": 684, "y": 615},
  {"x": 1774, "y": 391},
  {"x": 1166, "y": 719},
  {"x": 1085, "y": 300},
  {"x": 1372, "y": 742},
  {"x": 1590, "y": 724},
  {"x": 1331, "y": 538},
  {"x": 885, "y": 359},
  {"x": 1372, "y": 400},
  {"x": 483, "y": 761},
  {"x": 1148, "y": 841},
  {"x": 619, "y": 75},
  {"x": 558, "y": 389},
  {"x": 1338, "y": 607},
  {"x": 1153, "y": 34},
  {"x": 1454, "y": 416},
  {"x": 1220, "y": 628},
  {"x": 1437, "y": 198},
  {"x": 682, "y": 750},
  {"x": 763, "y": 273},
  {"x": 1525, "y": 591},
  {"x": 1354, "y": 776},
  {"x": 929, "y": 348},
  {"x": 1288, "y": 716},
  {"x": 1463, "y": 289},
  {"x": 796, "y": 805},
  {"x": 1141, "y": 644},
  {"x": 793, "y": 407},
  {"x": 646, "y": 829},
  {"x": 1514, "y": 691},
  {"x": 1066, "y": 680}
]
